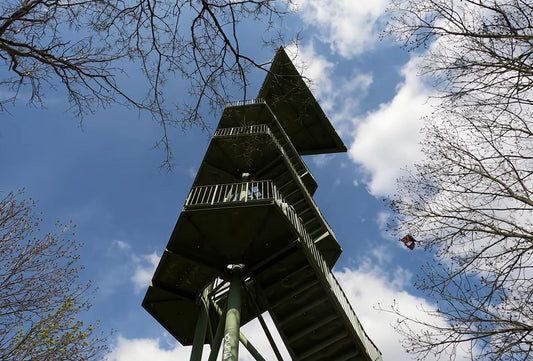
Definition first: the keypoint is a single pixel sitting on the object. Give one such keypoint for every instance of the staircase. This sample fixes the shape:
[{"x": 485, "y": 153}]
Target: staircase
[
  {"x": 296, "y": 184},
  {"x": 309, "y": 308}
]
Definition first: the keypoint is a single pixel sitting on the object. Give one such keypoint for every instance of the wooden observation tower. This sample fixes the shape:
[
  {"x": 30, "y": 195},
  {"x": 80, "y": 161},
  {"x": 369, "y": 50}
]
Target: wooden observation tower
[{"x": 251, "y": 239}]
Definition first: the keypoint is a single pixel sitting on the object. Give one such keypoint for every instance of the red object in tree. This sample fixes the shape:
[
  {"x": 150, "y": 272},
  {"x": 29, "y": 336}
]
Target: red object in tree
[{"x": 409, "y": 241}]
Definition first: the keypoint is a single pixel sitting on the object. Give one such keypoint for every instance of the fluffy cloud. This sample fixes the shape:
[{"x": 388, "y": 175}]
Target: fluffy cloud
[
  {"x": 125, "y": 264},
  {"x": 145, "y": 266},
  {"x": 144, "y": 349},
  {"x": 386, "y": 141},
  {"x": 372, "y": 291},
  {"x": 349, "y": 27},
  {"x": 369, "y": 288}
]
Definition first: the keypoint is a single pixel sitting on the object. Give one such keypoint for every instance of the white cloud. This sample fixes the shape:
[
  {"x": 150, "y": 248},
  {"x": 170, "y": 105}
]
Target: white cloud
[
  {"x": 126, "y": 265},
  {"x": 386, "y": 141},
  {"x": 145, "y": 266},
  {"x": 382, "y": 219},
  {"x": 368, "y": 288},
  {"x": 321, "y": 160},
  {"x": 122, "y": 246},
  {"x": 191, "y": 172},
  {"x": 371, "y": 291},
  {"x": 145, "y": 349},
  {"x": 381, "y": 254},
  {"x": 349, "y": 27}
]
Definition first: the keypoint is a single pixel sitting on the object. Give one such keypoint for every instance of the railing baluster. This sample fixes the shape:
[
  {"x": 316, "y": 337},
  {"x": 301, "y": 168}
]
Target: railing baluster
[
  {"x": 213, "y": 198},
  {"x": 239, "y": 103},
  {"x": 195, "y": 196},
  {"x": 204, "y": 191},
  {"x": 230, "y": 192}
]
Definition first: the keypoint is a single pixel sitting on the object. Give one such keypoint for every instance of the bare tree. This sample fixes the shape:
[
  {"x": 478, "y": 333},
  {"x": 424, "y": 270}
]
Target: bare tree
[
  {"x": 40, "y": 295},
  {"x": 480, "y": 52},
  {"x": 470, "y": 201},
  {"x": 82, "y": 45}
]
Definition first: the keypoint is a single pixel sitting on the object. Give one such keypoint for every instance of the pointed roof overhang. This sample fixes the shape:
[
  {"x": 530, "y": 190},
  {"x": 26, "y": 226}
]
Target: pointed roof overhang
[{"x": 285, "y": 91}]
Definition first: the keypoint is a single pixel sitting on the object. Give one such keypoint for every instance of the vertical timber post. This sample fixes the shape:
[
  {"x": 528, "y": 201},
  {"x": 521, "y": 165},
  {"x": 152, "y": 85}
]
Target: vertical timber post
[{"x": 230, "y": 350}]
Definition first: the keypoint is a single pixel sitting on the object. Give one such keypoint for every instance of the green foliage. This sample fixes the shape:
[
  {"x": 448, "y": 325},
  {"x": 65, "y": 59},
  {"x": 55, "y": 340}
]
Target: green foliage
[{"x": 41, "y": 297}]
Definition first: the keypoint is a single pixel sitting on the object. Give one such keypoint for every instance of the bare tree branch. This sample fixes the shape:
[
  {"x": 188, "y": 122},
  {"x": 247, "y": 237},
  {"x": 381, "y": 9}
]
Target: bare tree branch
[
  {"x": 81, "y": 47},
  {"x": 471, "y": 200}
]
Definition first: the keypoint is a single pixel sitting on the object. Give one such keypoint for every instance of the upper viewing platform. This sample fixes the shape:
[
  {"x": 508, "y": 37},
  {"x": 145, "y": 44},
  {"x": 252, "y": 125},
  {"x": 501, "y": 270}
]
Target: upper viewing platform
[
  {"x": 296, "y": 109},
  {"x": 303, "y": 119}
]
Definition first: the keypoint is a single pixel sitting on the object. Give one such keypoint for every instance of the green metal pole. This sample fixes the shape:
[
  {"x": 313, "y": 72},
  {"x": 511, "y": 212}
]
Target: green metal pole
[
  {"x": 217, "y": 341},
  {"x": 230, "y": 350},
  {"x": 199, "y": 335}
]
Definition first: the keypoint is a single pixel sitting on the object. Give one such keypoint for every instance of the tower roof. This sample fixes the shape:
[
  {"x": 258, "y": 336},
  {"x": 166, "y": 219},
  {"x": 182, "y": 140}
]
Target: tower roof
[{"x": 297, "y": 110}]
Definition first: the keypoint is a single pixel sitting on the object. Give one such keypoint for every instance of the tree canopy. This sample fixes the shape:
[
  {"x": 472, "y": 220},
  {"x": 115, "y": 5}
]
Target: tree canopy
[
  {"x": 82, "y": 46},
  {"x": 470, "y": 201},
  {"x": 41, "y": 297}
]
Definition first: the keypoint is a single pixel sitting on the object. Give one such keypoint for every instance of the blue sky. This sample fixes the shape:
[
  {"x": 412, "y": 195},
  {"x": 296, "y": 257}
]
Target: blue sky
[{"x": 105, "y": 177}]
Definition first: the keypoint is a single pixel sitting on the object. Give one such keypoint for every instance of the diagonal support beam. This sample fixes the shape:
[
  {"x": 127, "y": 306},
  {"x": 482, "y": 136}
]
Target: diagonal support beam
[
  {"x": 263, "y": 323},
  {"x": 251, "y": 349},
  {"x": 199, "y": 335}
]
